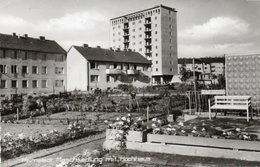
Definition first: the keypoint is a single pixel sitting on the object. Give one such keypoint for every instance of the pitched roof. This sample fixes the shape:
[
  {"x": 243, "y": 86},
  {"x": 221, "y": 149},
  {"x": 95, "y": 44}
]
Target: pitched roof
[
  {"x": 107, "y": 55},
  {"x": 30, "y": 44}
]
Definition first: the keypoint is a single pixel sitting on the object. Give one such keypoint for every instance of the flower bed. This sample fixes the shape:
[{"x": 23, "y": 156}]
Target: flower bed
[{"x": 14, "y": 145}]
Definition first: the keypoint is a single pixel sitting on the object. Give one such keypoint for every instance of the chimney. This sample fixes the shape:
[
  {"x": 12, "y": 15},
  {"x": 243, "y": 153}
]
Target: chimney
[
  {"x": 85, "y": 45},
  {"x": 25, "y": 35},
  {"x": 98, "y": 47},
  {"x": 14, "y": 34},
  {"x": 42, "y": 37}
]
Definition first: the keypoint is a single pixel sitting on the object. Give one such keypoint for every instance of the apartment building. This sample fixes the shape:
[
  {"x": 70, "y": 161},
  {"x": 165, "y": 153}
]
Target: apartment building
[
  {"x": 207, "y": 65},
  {"x": 243, "y": 77},
  {"x": 31, "y": 66},
  {"x": 94, "y": 67},
  {"x": 153, "y": 33}
]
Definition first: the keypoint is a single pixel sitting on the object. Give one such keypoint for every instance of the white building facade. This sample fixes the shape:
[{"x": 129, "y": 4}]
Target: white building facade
[
  {"x": 153, "y": 33},
  {"x": 90, "y": 68}
]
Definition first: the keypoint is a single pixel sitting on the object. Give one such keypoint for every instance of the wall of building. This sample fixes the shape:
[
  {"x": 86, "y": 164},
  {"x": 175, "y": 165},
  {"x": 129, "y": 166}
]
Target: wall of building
[
  {"x": 77, "y": 71},
  {"x": 243, "y": 77},
  {"x": 169, "y": 42},
  {"x": 138, "y": 80},
  {"x": 163, "y": 38},
  {"x": 33, "y": 59}
]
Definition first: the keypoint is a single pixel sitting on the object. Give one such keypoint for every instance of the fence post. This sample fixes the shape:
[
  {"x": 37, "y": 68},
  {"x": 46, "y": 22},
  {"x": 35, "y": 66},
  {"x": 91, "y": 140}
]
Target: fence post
[{"x": 209, "y": 109}]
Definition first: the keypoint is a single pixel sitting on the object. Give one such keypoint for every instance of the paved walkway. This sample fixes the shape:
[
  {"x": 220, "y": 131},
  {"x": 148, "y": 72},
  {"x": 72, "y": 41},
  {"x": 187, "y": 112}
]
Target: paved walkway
[{"x": 52, "y": 156}]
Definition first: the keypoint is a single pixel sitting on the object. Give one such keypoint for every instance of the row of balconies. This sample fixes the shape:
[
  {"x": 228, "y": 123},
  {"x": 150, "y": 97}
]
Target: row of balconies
[{"x": 119, "y": 72}]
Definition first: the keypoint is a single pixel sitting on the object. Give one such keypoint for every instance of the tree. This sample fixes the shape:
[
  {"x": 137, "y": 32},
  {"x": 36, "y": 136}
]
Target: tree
[
  {"x": 185, "y": 74},
  {"x": 221, "y": 81},
  {"x": 214, "y": 77}
]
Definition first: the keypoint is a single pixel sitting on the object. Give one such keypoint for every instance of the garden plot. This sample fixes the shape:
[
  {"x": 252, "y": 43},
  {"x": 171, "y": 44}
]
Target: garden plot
[{"x": 29, "y": 130}]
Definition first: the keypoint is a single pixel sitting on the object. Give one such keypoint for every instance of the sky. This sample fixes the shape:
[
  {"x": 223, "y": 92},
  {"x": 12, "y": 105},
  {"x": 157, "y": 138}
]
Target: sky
[{"x": 205, "y": 27}]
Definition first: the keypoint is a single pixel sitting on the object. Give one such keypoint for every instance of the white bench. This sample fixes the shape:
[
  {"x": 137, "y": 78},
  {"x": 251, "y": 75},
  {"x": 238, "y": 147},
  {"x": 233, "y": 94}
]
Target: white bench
[{"x": 230, "y": 103}]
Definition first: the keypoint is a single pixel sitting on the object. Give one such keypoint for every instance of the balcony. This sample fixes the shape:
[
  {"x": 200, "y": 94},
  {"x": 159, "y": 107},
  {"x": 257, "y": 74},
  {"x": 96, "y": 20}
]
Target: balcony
[
  {"x": 113, "y": 71},
  {"x": 147, "y": 30},
  {"x": 126, "y": 34},
  {"x": 147, "y": 23},
  {"x": 126, "y": 42},
  {"x": 132, "y": 72},
  {"x": 147, "y": 37},
  {"x": 148, "y": 45}
]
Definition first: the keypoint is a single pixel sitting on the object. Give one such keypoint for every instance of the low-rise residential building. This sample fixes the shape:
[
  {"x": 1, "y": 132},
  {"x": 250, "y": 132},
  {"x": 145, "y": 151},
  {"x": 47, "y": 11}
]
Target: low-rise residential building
[
  {"x": 90, "y": 68},
  {"x": 207, "y": 66},
  {"x": 32, "y": 66}
]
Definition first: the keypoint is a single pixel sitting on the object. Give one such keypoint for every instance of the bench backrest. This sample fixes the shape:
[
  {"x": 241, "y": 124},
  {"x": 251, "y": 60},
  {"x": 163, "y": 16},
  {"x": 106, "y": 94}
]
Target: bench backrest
[{"x": 233, "y": 100}]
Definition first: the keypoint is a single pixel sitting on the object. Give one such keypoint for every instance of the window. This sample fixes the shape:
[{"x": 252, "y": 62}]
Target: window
[
  {"x": 3, "y": 84},
  {"x": 108, "y": 78},
  {"x": 59, "y": 70},
  {"x": 170, "y": 47},
  {"x": 155, "y": 17},
  {"x": 2, "y": 53},
  {"x": 133, "y": 43},
  {"x": 24, "y": 83},
  {"x": 140, "y": 35},
  {"x": 58, "y": 83},
  {"x": 170, "y": 33},
  {"x": 171, "y": 69},
  {"x": 156, "y": 47},
  {"x": 119, "y": 33},
  {"x": 156, "y": 54},
  {"x": 93, "y": 65},
  {"x": 170, "y": 19},
  {"x": 44, "y": 56},
  {"x": 59, "y": 57},
  {"x": 117, "y": 78},
  {"x": 34, "y": 69},
  {"x": 156, "y": 39},
  {"x": 34, "y": 83},
  {"x": 170, "y": 55},
  {"x": 133, "y": 37},
  {"x": 170, "y": 62},
  {"x": 140, "y": 28},
  {"x": 155, "y": 25},
  {"x": 44, "y": 70},
  {"x": 14, "y": 69},
  {"x": 24, "y": 69},
  {"x": 133, "y": 30},
  {"x": 14, "y": 83},
  {"x": 44, "y": 83},
  {"x": 93, "y": 78},
  {"x": 170, "y": 40},
  {"x": 156, "y": 69},
  {"x": 114, "y": 34},
  {"x": 145, "y": 68},
  {"x": 2, "y": 69},
  {"x": 140, "y": 49},
  {"x": 170, "y": 26},
  {"x": 133, "y": 23},
  {"x": 155, "y": 32}
]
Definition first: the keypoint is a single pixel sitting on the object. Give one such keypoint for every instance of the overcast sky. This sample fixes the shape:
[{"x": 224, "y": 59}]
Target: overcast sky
[{"x": 205, "y": 27}]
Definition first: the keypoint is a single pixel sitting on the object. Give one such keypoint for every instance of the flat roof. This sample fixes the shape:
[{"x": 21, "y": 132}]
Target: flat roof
[{"x": 165, "y": 7}]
